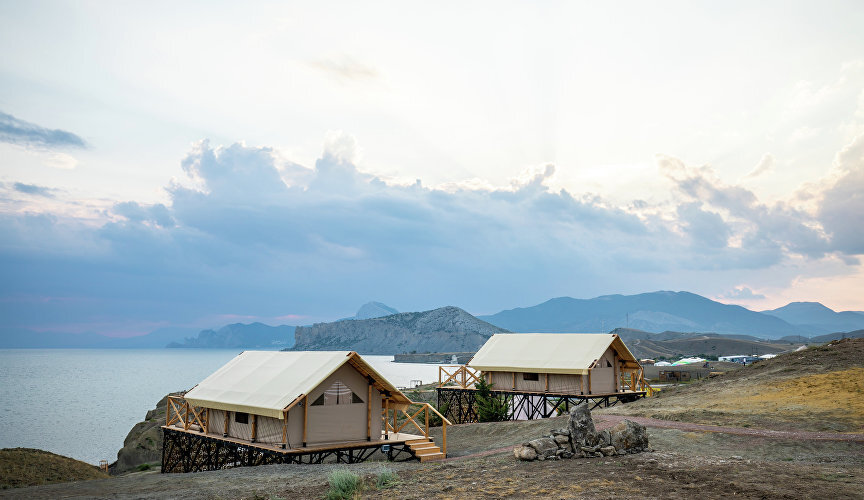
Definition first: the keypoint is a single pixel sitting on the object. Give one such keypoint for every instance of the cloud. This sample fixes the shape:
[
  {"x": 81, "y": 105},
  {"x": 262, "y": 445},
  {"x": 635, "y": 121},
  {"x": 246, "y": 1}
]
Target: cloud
[
  {"x": 239, "y": 238},
  {"x": 766, "y": 165},
  {"x": 33, "y": 189},
  {"x": 742, "y": 293},
  {"x": 344, "y": 68},
  {"x": 20, "y": 132},
  {"x": 841, "y": 208}
]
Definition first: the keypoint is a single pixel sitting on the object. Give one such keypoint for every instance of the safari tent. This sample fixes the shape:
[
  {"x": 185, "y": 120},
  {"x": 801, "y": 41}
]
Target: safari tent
[
  {"x": 559, "y": 363},
  {"x": 294, "y": 399}
]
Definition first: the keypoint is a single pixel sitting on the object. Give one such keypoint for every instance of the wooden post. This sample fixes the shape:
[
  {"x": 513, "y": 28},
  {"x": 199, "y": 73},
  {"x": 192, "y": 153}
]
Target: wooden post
[
  {"x": 254, "y": 427},
  {"x": 444, "y": 441},
  {"x": 394, "y": 420},
  {"x": 305, "y": 417},
  {"x": 589, "y": 380},
  {"x": 547, "y": 383},
  {"x": 186, "y": 416},
  {"x": 386, "y": 418},
  {"x": 168, "y": 405},
  {"x": 284, "y": 429},
  {"x": 225, "y": 430},
  {"x": 514, "y": 381},
  {"x": 369, "y": 414},
  {"x": 207, "y": 421},
  {"x": 426, "y": 433}
]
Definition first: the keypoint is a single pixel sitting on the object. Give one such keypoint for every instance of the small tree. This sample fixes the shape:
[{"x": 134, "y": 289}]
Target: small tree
[{"x": 491, "y": 408}]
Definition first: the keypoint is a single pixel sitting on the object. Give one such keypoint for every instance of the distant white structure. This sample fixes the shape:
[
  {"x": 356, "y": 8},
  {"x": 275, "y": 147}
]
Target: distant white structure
[
  {"x": 767, "y": 356},
  {"x": 740, "y": 358},
  {"x": 688, "y": 361},
  {"x": 662, "y": 363}
]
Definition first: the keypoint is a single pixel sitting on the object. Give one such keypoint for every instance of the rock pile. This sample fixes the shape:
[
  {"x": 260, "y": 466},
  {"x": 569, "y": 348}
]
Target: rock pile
[{"x": 581, "y": 439}]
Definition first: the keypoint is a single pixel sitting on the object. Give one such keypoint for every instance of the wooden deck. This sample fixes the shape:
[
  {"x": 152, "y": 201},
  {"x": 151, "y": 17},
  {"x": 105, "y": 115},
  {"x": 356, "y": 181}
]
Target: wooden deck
[{"x": 392, "y": 438}]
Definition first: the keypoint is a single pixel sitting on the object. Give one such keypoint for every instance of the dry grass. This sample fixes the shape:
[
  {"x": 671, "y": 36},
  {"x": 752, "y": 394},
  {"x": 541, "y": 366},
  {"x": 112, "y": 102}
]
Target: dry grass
[{"x": 28, "y": 467}]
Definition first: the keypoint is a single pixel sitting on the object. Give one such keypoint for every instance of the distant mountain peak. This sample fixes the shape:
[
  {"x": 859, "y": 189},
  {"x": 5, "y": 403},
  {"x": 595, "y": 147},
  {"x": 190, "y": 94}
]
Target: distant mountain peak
[{"x": 374, "y": 309}]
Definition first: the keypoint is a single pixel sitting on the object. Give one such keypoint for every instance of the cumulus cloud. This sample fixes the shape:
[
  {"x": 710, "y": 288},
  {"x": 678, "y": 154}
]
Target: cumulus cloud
[
  {"x": 16, "y": 131},
  {"x": 841, "y": 209},
  {"x": 241, "y": 238}
]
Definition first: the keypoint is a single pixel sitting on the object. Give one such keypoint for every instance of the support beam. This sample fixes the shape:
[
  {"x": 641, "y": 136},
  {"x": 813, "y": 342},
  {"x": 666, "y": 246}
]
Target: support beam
[
  {"x": 386, "y": 417},
  {"x": 589, "y": 380},
  {"x": 207, "y": 421},
  {"x": 225, "y": 430},
  {"x": 514, "y": 381},
  {"x": 547, "y": 383}
]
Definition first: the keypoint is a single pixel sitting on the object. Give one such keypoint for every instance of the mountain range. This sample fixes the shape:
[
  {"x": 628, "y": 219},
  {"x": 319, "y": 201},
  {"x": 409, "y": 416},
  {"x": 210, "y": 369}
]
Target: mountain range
[
  {"x": 674, "y": 311},
  {"x": 653, "y": 312}
]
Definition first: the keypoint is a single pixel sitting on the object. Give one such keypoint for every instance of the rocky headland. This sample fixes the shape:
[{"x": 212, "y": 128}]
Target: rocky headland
[{"x": 447, "y": 329}]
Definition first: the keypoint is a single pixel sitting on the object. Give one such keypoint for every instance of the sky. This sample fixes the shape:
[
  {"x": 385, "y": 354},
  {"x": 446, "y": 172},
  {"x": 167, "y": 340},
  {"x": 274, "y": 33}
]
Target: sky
[{"x": 198, "y": 163}]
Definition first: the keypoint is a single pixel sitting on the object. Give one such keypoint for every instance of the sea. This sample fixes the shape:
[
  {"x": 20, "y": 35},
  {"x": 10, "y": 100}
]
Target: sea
[{"x": 81, "y": 403}]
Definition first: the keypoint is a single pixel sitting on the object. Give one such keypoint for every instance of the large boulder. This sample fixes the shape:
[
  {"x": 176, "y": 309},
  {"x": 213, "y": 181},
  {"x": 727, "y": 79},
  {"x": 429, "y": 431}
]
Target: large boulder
[
  {"x": 582, "y": 430},
  {"x": 524, "y": 452},
  {"x": 546, "y": 447},
  {"x": 629, "y": 436}
]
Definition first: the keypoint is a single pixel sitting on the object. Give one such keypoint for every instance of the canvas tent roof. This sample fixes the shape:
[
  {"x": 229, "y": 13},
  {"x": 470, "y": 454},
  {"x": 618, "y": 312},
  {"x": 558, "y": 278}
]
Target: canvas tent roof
[
  {"x": 572, "y": 353},
  {"x": 266, "y": 382}
]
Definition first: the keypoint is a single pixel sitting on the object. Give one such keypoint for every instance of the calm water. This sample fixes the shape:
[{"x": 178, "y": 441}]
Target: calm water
[{"x": 82, "y": 402}]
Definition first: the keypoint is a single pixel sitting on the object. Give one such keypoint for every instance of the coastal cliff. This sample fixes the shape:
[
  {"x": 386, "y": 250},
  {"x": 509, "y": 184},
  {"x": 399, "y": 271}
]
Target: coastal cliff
[{"x": 447, "y": 329}]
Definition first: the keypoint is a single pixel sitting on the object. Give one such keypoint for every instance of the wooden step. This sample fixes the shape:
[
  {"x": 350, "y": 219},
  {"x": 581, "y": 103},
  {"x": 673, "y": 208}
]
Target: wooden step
[
  {"x": 417, "y": 441},
  {"x": 427, "y": 450},
  {"x": 422, "y": 446},
  {"x": 431, "y": 457}
]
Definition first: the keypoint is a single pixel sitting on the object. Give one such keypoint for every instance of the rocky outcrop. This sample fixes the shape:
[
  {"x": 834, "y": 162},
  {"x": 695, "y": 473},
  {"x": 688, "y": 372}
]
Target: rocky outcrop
[
  {"x": 581, "y": 439},
  {"x": 142, "y": 447},
  {"x": 448, "y": 329}
]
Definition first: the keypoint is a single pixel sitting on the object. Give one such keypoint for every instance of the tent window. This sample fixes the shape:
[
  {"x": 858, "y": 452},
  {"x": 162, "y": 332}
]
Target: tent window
[
  {"x": 608, "y": 364},
  {"x": 241, "y": 418},
  {"x": 531, "y": 376},
  {"x": 337, "y": 394}
]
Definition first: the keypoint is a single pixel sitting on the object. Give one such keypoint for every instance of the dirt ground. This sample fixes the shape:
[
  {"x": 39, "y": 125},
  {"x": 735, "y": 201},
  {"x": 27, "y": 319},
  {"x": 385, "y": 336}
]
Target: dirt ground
[{"x": 684, "y": 464}]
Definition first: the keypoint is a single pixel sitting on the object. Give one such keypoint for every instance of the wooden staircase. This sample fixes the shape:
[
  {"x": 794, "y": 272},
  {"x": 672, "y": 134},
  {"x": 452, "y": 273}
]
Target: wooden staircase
[{"x": 425, "y": 449}]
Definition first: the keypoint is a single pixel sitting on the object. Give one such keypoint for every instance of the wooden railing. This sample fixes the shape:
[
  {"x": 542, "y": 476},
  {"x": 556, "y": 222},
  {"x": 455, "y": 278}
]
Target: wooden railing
[
  {"x": 409, "y": 418},
  {"x": 635, "y": 381},
  {"x": 179, "y": 410},
  {"x": 461, "y": 375}
]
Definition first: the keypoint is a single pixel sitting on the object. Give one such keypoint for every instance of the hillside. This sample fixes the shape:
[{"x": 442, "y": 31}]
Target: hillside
[
  {"x": 816, "y": 389},
  {"x": 240, "y": 335},
  {"x": 678, "y": 344},
  {"x": 21, "y": 467},
  {"x": 652, "y": 312},
  {"x": 448, "y": 329}
]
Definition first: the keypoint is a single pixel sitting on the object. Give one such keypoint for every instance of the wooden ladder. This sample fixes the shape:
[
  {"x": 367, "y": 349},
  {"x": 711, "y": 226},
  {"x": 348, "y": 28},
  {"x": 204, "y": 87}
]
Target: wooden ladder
[{"x": 425, "y": 449}]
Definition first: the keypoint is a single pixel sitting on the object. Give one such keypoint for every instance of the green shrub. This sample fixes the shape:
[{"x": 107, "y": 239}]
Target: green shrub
[
  {"x": 491, "y": 408},
  {"x": 343, "y": 485},
  {"x": 143, "y": 467},
  {"x": 386, "y": 478}
]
